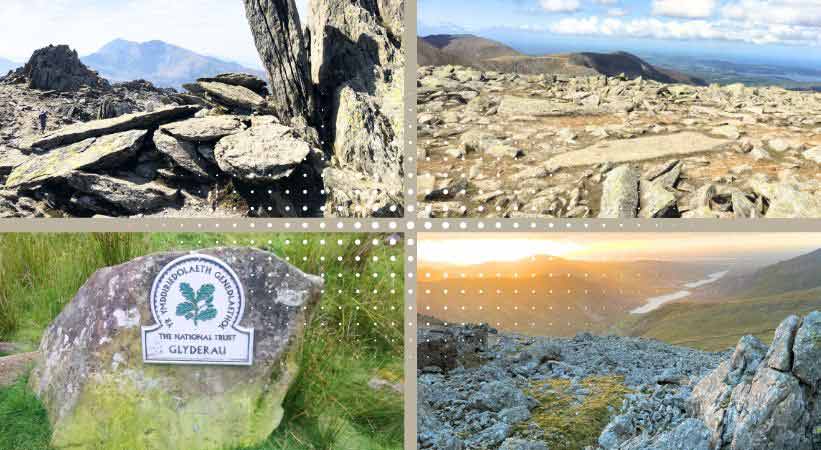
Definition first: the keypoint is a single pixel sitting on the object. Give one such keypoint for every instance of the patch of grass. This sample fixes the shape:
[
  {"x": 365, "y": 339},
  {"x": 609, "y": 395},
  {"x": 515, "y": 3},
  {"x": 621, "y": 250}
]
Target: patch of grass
[
  {"x": 355, "y": 333},
  {"x": 569, "y": 424},
  {"x": 40, "y": 273},
  {"x": 23, "y": 421}
]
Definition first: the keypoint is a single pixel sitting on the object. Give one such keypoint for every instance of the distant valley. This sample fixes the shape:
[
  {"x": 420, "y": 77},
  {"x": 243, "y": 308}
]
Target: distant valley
[
  {"x": 573, "y": 296},
  {"x": 487, "y": 54}
]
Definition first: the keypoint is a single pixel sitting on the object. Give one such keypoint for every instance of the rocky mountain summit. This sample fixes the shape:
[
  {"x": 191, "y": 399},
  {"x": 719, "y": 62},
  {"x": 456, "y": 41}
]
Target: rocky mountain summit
[
  {"x": 607, "y": 392},
  {"x": 507, "y": 145},
  {"x": 323, "y": 140}
]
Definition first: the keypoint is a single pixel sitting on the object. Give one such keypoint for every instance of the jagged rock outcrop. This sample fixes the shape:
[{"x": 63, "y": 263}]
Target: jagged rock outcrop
[
  {"x": 357, "y": 63},
  {"x": 57, "y": 68},
  {"x": 766, "y": 398},
  {"x": 230, "y": 145},
  {"x": 283, "y": 49}
]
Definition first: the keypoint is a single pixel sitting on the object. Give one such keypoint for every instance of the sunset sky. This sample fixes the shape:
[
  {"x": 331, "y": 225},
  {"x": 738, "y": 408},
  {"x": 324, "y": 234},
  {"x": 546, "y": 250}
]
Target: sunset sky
[{"x": 472, "y": 248}]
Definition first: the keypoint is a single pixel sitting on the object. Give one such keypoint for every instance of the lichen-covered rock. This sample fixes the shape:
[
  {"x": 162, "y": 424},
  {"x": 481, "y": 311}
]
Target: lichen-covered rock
[
  {"x": 353, "y": 194},
  {"x": 205, "y": 129},
  {"x": 357, "y": 63},
  {"x": 93, "y": 153},
  {"x": 365, "y": 140},
  {"x": 765, "y": 399},
  {"x": 100, "y": 395},
  {"x": 96, "y": 128},
  {"x": 262, "y": 153},
  {"x": 620, "y": 196}
]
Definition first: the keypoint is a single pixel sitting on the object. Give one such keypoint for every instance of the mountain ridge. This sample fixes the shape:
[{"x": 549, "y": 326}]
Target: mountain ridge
[
  {"x": 161, "y": 63},
  {"x": 486, "y": 54}
]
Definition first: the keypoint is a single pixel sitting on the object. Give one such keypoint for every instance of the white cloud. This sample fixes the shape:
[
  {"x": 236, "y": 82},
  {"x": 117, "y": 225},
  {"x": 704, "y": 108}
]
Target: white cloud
[
  {"x": 684, "y": 8},
  {"x": 616, "y": 12},
  {"x": 652, "y": 28},
  {"x": 783, "y": 12},
  {"x": 606, "y": 2},
  {"x": 559, "y": 5}
]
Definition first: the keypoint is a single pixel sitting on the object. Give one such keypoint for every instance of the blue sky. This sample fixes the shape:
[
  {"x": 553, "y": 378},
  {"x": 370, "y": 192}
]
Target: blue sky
[
  {"x": 745, "y": 29},
  {"x": 211, "y": 27}
]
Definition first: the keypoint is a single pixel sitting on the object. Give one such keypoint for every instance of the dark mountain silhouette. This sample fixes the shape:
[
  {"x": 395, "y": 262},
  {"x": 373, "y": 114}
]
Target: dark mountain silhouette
[
  {"x": 163, "y": 64},
  {"x": 486, "y": 54}
]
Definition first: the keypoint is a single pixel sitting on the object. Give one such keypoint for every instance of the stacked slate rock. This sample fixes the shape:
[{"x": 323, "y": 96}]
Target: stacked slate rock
[
  {"x": 325, "y": 139},
  {"x": 164, "y": 159}
]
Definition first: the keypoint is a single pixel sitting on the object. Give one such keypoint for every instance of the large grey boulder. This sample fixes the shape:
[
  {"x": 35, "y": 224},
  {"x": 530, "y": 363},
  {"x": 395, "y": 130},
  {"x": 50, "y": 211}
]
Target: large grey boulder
[
  {"x": 93, "y": 153},
  {"x": 262, "y": 153},
  {"x": 205, "y": 129},
  {"x": 236, "y": 97},
  {"x": 98, "y": 391},
  {"x": 96, "y": 128},
  {"x": 357, "y": 63}
]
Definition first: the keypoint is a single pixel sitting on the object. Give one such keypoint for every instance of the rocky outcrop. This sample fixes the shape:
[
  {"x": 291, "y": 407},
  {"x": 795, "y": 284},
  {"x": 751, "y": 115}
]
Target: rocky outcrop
[
  {"x": 262, "y": 153},
  {"x": 97, "y": 128},
  {"x": 357, "y": 63},
  {"x": 92, "y": 380},
  {"x": 57, "y": 68},
  {"x": 763, "y": 399},
  {"x": 760, "y": 397},
  {"x": 283, "y": 49},
  {"x": 232, "y": 146}
]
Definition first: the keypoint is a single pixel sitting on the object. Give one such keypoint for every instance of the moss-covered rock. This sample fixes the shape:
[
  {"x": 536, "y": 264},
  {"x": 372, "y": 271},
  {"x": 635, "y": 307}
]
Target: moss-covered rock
[{"x": 101, "y": 395}]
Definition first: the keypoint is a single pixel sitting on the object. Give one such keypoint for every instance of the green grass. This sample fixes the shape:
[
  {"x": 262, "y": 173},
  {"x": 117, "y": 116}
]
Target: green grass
[
  {"x": 356, "y": 333},
  {"x": 719, "y": 326},
  {"x": 23, "y": 421}
]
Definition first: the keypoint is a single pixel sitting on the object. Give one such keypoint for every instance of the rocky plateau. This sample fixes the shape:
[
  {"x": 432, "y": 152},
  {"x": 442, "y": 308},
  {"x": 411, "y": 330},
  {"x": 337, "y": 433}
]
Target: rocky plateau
[{"x": 494, "y": 144}]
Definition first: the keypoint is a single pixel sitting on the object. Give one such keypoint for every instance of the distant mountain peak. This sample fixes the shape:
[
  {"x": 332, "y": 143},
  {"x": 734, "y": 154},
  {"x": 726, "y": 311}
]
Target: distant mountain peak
[{"x": 162, "y": 63}]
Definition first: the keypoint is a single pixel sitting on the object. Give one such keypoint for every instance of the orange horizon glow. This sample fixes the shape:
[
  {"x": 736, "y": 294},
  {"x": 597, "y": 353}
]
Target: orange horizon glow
[{"x": 465, "y": 249}]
